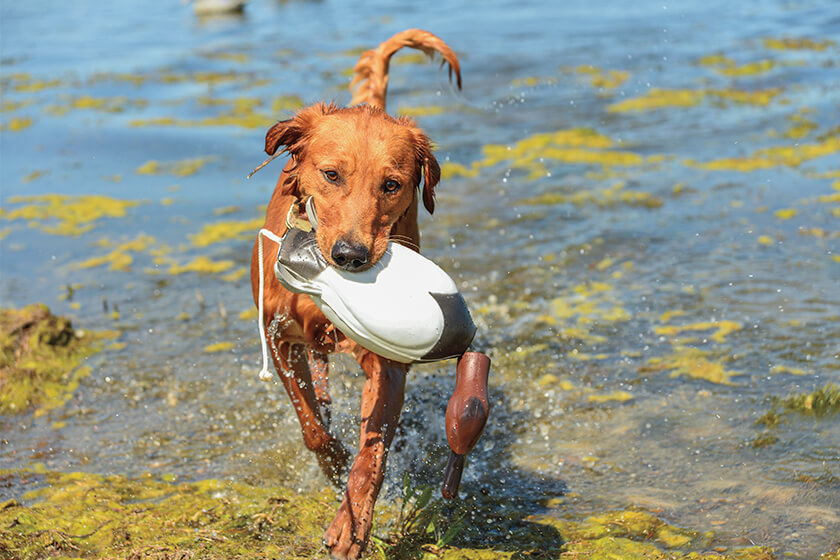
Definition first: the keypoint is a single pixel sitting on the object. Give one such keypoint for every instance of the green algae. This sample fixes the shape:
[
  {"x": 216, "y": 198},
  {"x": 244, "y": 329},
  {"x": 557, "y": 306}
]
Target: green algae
[
  {"x": 686, "y": 359},
  {"x": 608, "y": 197},
  {"x": 241, "y": 112},
  {"x": 572, "y": 146},
  {"x": 235, "y": 275},
  {"x": 226, "y": 231},
  {"x": 250, "y": 314},
  {"x": 531, "y": 81},
  {"x": 286, "y": 103},
  {"x": 691, "y": 362},
  {"x": 210, "y": 79},
  {"x": 783, "y": 369},
  {"x": 17, "y": 124},
  {"x": 613, "y": 548},
  {"x": 824, "y": 401},
  {"x": 717, "y": 59},
  {"x": 579, "y": 310},
  {"x": 721, "y": 328},
  {"x": 749, "y": 69},
  {"x": 218, "y": 347},
  {"x": 244, "y": 119},
  {"x": 239, "y": 58},
  {"x": 180, "y": 168},
  {"x": 792, "y": 43},
  {"x": 93, "y": 516},
  {"x": 70, "y": 215},
  {"x": 785, "y": 213},
  {"x": 25, "y": 84},
  {"x": 637, "y": 534},
  {"x": 615, "y": 396},
  {"x": 225, "y": 210},
  {"x": 600, "y": 78},
  {"x": 766, "y": 158},
  {"x": 12, "y": 106},
  {"x": 658, "y": 98},
  {"x": 800, "y": 126},
  {"x": 632, "y": 524},
  {"x": 201, "y": 265},
  {"x": 594, "y": 76},
  {"x": 34, "y": 175},
  {"x": 83, "y": 515},
  {"x": 116, "y": 104},
  {"x": 119, "y": 258},
  {"x": 41, "y": 359},
  {"x": 831, "y": 555}
]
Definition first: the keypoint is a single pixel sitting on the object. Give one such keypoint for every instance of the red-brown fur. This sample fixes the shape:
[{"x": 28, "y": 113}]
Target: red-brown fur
[{"x": 369, "y": 152}]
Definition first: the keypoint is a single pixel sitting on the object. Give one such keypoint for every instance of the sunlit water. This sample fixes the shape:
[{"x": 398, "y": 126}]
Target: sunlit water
[{"x": 586, "y": 280}]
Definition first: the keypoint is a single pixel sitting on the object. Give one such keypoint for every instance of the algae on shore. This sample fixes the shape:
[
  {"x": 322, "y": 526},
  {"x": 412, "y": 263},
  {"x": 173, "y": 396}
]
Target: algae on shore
[
  {"x": 84, "y": 515},
  {"x": 93, "y": 516},
  {"x": 40, "y": 358}
]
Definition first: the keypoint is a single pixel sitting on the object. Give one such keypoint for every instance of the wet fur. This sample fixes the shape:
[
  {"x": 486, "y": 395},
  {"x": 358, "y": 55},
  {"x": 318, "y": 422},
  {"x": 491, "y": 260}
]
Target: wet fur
[{"x": 368, "y": 150}]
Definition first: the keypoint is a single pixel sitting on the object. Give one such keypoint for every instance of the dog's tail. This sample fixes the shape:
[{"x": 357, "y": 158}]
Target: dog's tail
[{"x": 370, "y": 76}]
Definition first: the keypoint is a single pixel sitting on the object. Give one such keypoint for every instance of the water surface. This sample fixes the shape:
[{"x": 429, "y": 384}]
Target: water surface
[{"x": 640, "y": 204}]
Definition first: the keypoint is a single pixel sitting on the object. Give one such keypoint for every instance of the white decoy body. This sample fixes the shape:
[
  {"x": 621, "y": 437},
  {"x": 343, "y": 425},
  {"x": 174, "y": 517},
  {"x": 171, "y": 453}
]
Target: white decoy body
[{"x": 405, "y": 308}]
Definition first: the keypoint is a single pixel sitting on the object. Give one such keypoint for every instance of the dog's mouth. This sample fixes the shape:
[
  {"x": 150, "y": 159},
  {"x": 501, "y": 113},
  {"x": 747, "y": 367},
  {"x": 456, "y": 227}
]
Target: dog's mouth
[{"x": 345, "y": 253}]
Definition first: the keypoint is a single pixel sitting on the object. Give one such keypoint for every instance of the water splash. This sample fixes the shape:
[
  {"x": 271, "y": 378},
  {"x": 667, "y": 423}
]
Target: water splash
[{"x": 276, "y": 328}]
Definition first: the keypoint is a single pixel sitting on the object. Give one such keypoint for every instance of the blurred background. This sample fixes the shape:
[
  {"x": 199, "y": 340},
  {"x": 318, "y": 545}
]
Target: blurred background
[{"x": 640, "y": 203}]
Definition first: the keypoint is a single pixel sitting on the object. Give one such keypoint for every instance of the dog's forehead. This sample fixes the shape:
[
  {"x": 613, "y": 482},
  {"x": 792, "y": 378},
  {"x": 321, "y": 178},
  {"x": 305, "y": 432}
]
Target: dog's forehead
[{"x": 348, "y": 134}]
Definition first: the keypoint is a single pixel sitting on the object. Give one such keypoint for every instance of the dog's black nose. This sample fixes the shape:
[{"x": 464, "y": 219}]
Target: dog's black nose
[{"x": 349, "y": 256}]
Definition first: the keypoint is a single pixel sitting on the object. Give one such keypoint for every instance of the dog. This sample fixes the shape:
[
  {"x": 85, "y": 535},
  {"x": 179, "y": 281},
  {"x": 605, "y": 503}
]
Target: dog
[{"x": 365, "y": 172}]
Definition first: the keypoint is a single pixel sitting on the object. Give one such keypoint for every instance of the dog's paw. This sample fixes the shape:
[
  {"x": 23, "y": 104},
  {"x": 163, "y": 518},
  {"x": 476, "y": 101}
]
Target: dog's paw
[{"x": 342, "y": 539}]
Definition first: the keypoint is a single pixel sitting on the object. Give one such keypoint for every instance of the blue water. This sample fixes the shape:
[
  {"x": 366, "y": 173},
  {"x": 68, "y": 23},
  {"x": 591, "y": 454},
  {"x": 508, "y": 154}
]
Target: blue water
[{"x": 714, "y": 250}]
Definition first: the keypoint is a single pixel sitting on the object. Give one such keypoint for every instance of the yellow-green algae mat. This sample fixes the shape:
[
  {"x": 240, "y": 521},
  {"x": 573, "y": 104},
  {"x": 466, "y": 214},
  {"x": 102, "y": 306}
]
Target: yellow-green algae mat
[
  {"x": 40, "y": 359},
  {"x": 81, "y": 515}
]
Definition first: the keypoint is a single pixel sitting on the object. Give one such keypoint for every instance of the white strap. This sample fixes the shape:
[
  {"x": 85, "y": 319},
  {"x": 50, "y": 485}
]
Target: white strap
[{"x": 265, "y": 374}]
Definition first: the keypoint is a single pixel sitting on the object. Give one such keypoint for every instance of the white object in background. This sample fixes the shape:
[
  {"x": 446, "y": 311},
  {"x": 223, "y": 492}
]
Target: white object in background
[{"x": 218, "y": 7}]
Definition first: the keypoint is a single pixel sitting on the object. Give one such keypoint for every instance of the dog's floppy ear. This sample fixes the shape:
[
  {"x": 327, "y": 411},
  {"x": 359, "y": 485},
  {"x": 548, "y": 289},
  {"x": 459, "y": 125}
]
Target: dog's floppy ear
[
  {"x": 431, "y": 170},
  {"x": 294, "y": 133},
  {"x": 283, "y": 133}
]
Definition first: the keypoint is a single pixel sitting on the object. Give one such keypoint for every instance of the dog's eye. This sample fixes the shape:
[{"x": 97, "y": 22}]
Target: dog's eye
[
  {"x": 391, "y": 186},
  {"x": 331, "y": 175}
]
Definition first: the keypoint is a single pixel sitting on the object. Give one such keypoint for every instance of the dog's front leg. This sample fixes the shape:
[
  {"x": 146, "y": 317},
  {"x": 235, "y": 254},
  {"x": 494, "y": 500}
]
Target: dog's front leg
[
  {"x": 382, "y": 400},
  {"x": 309, "y": 397}
]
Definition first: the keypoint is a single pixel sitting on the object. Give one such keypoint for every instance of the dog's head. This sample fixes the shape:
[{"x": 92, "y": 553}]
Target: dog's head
[{"x": 362, "y": 168}]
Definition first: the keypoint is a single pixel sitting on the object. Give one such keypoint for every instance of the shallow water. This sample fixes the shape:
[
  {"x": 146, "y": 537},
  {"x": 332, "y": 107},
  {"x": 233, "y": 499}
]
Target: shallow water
[{"x": 604, "y": 267}]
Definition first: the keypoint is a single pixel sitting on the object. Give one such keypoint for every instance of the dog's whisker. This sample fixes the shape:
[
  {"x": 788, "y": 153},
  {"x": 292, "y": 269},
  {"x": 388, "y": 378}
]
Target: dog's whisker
[{"x": 405, "y": 241}]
